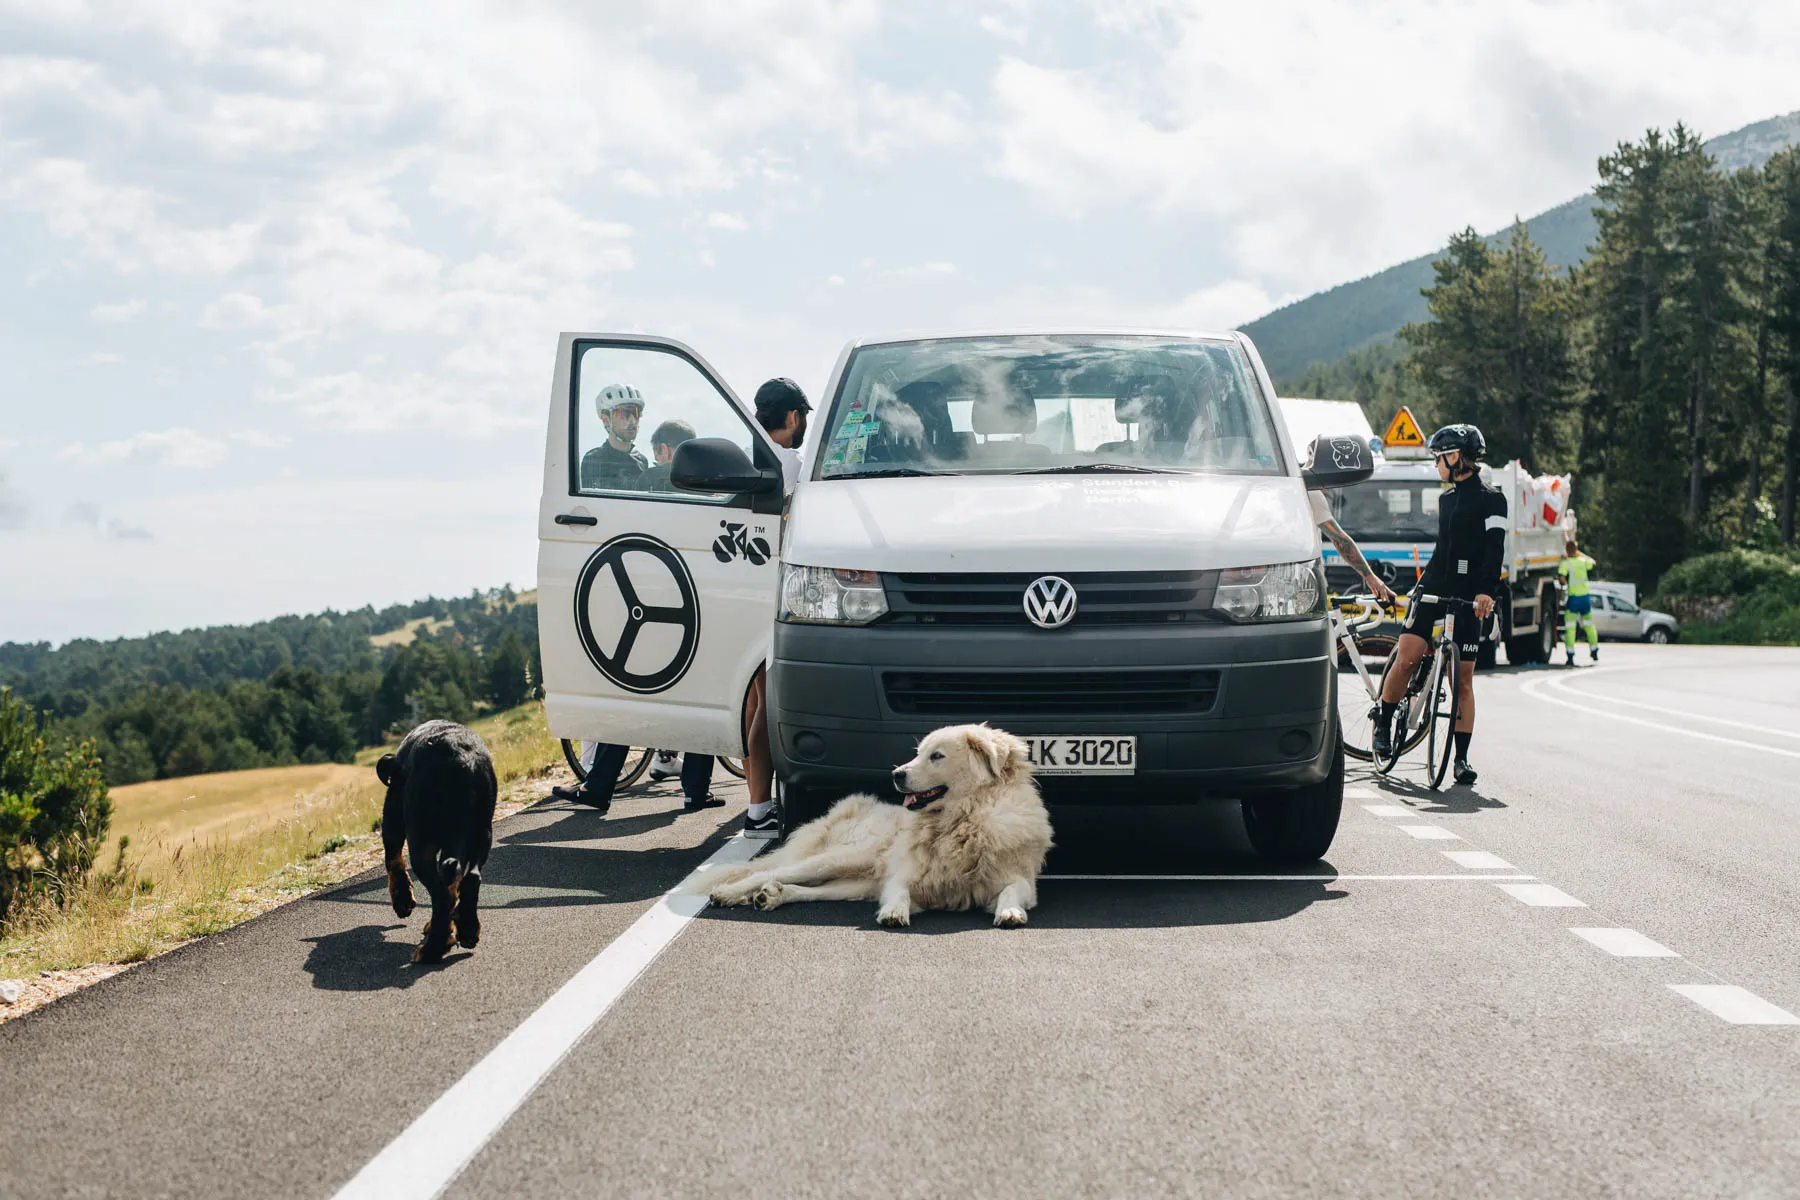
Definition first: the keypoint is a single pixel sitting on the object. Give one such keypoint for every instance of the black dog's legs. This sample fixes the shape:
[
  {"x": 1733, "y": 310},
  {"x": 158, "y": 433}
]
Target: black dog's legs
[
  {"x": 393, "y": 840},
  {"x": 443, "y": 903},
  {"x": 468, "y": 921}
]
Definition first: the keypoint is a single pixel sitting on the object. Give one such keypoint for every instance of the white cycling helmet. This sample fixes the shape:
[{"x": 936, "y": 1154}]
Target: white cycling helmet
[{"x": 615, "y": 394}]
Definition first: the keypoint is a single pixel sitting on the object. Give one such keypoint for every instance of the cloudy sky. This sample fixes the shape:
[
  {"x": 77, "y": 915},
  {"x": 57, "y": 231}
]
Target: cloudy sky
[{"x": 280, "y": 284}]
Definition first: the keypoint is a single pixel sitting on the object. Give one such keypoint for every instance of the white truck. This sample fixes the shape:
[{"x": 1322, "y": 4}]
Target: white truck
[{"x": 1394, "y": 516}]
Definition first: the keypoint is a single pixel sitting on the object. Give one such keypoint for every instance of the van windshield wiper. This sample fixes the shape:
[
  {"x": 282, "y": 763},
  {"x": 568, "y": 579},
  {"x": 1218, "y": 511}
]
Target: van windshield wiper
[
  {"x": 1072, "y": 468},
  {"x": 889, "y": 473}
]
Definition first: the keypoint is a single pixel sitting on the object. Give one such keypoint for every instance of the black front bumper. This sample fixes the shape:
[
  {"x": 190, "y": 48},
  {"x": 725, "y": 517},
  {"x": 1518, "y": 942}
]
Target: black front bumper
[{"x": 834, "y": 724}]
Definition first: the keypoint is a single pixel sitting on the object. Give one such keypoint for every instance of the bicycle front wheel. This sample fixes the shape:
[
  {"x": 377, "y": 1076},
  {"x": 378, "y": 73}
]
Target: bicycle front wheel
[
  {"x": 1440, "y": 721},
  {"x": 733, "y": 766},
  {"x": 633, "y": 770},
  {"x": 1360, "y": 690}
]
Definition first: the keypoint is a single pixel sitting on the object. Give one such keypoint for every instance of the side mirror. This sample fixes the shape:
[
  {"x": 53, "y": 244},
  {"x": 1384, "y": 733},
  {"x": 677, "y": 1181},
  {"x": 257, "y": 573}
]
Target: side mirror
[
  {"x": 1337, "y": 462},
  {"x": 718, "y": 465}
]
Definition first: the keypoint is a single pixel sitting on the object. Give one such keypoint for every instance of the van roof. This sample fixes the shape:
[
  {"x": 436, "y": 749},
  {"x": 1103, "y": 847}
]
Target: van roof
[{"x": 938, "y": 335}]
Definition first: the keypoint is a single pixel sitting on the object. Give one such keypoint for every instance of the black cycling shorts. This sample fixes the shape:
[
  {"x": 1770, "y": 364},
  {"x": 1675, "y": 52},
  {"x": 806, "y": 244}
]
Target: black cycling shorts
[{"x": 1420, "y": 618}]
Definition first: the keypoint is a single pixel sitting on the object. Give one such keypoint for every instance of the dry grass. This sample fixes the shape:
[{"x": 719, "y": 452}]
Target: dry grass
[{"x": 219, "y": 849}]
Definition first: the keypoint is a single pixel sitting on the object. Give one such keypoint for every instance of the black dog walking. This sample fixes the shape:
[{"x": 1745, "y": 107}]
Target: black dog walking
[{"x": 440, "y": 805}]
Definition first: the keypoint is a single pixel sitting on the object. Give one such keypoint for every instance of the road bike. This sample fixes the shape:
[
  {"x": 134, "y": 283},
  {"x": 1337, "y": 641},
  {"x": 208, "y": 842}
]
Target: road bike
[
  {"x": 637, "y": 761},
  {"x": 1362, "y": 648},
  {"x": 1432, "y": 703}
]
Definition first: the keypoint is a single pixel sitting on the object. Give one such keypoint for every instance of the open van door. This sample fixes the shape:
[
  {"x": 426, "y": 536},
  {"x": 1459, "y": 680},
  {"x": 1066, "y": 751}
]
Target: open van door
[{"x": 655, "y": 605}]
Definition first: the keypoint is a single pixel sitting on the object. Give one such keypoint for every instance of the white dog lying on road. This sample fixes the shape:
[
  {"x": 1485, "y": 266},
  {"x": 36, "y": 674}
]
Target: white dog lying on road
[{"x": 973, "y": 831}]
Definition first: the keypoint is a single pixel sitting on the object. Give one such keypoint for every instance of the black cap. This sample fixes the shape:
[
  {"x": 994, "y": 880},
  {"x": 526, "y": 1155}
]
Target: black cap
[{"x": 779, "y": 397}]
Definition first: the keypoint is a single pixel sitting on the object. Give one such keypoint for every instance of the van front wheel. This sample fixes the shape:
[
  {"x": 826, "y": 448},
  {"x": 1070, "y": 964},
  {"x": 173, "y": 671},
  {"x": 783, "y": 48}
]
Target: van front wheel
[{"x": 1298, "y": 826}]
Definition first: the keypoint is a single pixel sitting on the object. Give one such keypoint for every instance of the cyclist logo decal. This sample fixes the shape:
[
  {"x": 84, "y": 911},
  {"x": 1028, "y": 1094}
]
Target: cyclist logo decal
[
  {"x": 737, "y": 542},
  {"x": 626, "y": 574},
  {"x": 1346, "y": 453}
]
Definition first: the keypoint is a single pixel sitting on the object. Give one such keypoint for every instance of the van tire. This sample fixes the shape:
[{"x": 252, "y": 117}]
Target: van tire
[
  {"x": 1298, "y": 826},
  {"x": 800, "y": 805}
]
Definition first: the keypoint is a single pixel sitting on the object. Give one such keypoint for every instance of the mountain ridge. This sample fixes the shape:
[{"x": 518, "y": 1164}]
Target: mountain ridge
[{"x": 1326, "y": 325}]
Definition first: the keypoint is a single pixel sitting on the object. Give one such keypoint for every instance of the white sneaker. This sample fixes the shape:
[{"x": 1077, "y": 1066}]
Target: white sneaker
[{"x": 666, "y": 765}]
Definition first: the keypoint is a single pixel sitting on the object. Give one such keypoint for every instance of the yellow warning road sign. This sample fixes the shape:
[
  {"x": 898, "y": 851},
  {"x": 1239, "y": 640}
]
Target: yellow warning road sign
[{"x": 1403, "y": 430}]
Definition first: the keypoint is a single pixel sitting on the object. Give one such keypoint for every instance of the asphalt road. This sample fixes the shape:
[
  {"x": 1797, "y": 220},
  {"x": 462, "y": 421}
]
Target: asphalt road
[{"x": 1401, "y": 1025}]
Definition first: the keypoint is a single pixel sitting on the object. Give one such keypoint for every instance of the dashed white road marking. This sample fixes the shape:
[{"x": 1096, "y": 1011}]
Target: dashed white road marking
[
  {"x": 1355, "y": 793},
  {"x": 1735, "y": 1004},
  {"x": 1388, "y": 810},
  {"x": 1535, "y": 688},
  {"x": 1478, "y": 860},
  {"x": 434, "y": 1149},
  {"x": 1430, "y": 833},
  {"x": 1625, "y": 943},
  {"x": 1538, "y": 895}
]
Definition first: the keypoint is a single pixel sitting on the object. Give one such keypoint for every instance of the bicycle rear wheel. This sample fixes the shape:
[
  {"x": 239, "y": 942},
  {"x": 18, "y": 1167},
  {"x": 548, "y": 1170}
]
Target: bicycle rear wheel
[
  {"x": 1441, "y": 720},
  {"x": 733, "y": 766},
  {"x": 632, "y": 772},
  {"x": 1360, "y": 691}
]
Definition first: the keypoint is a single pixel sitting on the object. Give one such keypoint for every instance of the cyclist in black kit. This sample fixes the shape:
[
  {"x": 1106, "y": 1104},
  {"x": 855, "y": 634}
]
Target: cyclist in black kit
[{"x": 1465, "y": 565}]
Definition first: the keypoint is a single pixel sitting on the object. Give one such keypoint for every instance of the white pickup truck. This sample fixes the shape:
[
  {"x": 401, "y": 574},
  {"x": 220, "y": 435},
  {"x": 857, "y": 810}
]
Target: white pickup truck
[{"x": 1394, "y": 518}]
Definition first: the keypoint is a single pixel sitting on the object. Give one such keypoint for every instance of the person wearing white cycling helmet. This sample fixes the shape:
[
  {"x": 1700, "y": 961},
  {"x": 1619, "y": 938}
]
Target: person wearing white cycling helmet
[{"x": 614, "y": 464}]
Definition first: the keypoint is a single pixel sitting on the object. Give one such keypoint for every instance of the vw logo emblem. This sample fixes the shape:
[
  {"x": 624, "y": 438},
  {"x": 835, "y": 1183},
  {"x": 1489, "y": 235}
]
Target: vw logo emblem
[{"x": 1050, "y": 602}]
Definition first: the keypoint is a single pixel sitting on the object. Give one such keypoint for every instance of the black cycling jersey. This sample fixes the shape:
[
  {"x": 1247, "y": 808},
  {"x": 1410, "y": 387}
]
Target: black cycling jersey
[{"x": 1471, "y": 541}]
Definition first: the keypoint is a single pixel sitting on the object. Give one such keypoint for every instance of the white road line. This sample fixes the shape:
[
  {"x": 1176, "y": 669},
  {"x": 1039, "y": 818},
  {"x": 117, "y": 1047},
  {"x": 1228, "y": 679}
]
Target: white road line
[
  {"x": 1538, "y": 895},
  {"x": 1389, "y": 810},
  {"x": 434, "y": 1149},
  {"x": 1563, "y": 685},
  {"x": 1534, "y": 688},
  {"x": 1478, "y": 860},
  {"x": 1735, "y": 1004},
  {"x": 1353, "y": 793},
  {"x": 1430, "y": 833},
  {"x": 1625, "y": 943},
  {"x": 1282, "y": 878}
]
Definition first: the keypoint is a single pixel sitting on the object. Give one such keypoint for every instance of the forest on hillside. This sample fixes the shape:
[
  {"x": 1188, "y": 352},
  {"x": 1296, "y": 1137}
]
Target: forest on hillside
[
  {"x": 1664, "y": 371},
  {"x": 296, "y": 689}
]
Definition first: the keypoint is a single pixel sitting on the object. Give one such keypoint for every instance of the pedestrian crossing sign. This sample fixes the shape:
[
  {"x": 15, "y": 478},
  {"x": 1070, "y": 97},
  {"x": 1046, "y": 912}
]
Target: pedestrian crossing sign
[{"x": 1403, "y": 430}]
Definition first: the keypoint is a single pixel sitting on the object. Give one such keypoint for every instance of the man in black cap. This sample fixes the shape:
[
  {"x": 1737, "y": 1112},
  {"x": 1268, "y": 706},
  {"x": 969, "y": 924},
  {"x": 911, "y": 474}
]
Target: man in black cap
[{"x": 781, "y": 409}]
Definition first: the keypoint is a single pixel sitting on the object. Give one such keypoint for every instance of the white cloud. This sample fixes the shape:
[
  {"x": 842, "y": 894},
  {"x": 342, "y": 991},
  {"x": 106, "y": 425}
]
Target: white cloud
[
  {"x": 176, "y": 447},
  {"x": 105, "y": 358},
  {"x": 924, "y": 270},
  {"x": 730, "y": 222},
  {"x": 1323, "y": 141},
  {"x": 108, "y": 314},
  {"x": 13, "y": 509}
]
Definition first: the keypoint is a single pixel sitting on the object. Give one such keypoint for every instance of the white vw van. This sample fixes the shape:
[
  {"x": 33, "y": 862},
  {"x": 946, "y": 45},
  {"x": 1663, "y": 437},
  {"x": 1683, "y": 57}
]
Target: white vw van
[{"x": 1099, "y": 541}]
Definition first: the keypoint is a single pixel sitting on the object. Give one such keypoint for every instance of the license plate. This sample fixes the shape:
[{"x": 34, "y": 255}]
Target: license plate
[{"x": 1083, "y": 755}]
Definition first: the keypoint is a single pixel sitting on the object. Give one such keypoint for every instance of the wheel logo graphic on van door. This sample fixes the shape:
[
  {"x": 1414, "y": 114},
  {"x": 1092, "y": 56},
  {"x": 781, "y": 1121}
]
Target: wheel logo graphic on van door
[{"x": 638, "y": 589}]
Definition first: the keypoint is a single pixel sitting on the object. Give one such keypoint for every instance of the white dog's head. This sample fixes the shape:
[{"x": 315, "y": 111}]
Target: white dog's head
[{"x": 957, "y": 761}]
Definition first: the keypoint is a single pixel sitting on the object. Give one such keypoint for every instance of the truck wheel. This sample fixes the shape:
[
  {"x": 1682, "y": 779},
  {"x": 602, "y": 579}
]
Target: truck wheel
[
  {"x": 1297, "y": 826},
  {"x": 1549, "y": 625}
]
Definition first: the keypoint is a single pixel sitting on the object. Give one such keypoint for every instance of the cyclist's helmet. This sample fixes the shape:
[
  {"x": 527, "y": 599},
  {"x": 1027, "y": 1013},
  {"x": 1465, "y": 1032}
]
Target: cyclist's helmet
[
  {"x": 615, "y": 394},
  {"x": 1466, "y": 438}
]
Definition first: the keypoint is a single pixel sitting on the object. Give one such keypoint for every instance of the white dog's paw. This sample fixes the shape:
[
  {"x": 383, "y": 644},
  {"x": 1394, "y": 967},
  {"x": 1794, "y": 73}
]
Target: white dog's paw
[
  {"x": 1010, "y": 917},
  {"x": 768, "y": 896},
  {"x": 727, "y": 897},
  {"x": 894, "y": 916}
]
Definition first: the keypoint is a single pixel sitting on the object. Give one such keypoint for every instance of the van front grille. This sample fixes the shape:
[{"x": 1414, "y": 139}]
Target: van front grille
[
  {"x": 1102, "y": 597},
  {"x": 980, "y": 695}
]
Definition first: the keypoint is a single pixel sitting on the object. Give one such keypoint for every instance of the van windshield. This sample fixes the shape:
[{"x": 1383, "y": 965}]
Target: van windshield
[
  {"x": 1005, "y": 405},
  {"x": 1386, "y": 510}
]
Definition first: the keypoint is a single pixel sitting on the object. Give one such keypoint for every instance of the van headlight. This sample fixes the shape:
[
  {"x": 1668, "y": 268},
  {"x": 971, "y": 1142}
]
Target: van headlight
[
  {"x": 826, "y": 596},
  {"x": 1281, "y": 592}
]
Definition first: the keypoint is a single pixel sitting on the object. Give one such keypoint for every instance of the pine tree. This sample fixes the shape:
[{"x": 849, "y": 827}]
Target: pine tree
[{"x": 508, "y": 678}]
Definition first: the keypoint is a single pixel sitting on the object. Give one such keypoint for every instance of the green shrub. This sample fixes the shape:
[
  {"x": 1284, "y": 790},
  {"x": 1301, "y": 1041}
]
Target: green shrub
[
  {"x": 54, "y": 809},
  {"x": 1739, "y": 574}
]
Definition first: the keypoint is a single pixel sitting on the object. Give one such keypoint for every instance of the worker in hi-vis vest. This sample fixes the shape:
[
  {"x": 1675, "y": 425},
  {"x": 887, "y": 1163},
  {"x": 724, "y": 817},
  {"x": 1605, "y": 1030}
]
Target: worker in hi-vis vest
[{"x": 1575, "y": 567}]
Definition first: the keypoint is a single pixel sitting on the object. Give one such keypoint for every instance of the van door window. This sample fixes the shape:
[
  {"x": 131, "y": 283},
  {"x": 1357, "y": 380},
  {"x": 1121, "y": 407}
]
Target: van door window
[{"x": 632, "y": 406}]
